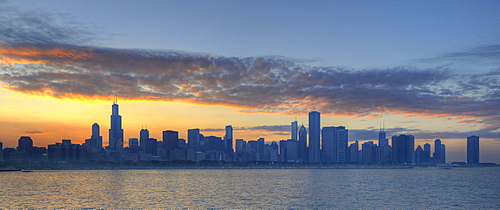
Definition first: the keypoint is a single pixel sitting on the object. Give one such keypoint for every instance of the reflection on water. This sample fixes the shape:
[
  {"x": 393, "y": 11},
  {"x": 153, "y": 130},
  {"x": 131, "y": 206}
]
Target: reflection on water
[{"x": 253, "y": 188}]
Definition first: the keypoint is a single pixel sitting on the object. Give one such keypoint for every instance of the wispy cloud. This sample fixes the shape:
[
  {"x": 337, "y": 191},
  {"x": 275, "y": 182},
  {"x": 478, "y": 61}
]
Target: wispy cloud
[
  {"x": 275, "y": 128},
  {"x": 38, "y": 132},
  {"x": 41, "y": 57},
  {"x": 489, "y": 53}
]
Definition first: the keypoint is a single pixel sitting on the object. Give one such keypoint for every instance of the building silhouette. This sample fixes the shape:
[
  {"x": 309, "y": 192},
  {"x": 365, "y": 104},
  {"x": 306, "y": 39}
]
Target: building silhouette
[
  {"x": 382, "y": 140},
  {"x": 24, "y": 144},
  {"x": 294, "y": 130},
  {"x": 1, "y": 151},
  {"x": 369, "y": 152},
  {"x": 194, "y": 139},
  {"x": 116, "y": 131},
  {"x": 228, "y": 138},
  {"x": 314, "y": 136},
  {"x": 170, "y": 141},
  {"x": 403, "y": 149},
  {"x": 354, "y": 152},
  {"x": 303, "y": 144},
  {"x": 95, "y": 140},
  {"x": 436, "y": 157},
  {"x": 473, "y": 150},
  {"x": 66, "y": 151},
  {"x": 334, "y": 144},
  {"x": 143, "y": 136}
]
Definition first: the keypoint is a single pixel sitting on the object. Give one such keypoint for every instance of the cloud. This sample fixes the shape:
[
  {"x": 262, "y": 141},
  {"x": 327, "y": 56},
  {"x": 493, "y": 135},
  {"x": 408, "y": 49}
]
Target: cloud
[
  {"x": 38, "y": 132},
  {"x": 33, "y": 132},
  {"x": 279, "y": 129},
  {"x": 42, "y": 57}
]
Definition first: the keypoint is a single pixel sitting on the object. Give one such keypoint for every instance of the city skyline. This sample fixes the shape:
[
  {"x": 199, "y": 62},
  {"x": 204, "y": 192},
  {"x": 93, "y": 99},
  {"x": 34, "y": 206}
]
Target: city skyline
[
  {"x": 254, "y": 65},
  {"x": 331, "y": 146}
]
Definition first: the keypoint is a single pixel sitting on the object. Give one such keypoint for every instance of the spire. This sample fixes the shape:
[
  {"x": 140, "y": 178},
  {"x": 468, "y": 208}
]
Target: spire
[{"x": 115, "y": 100}]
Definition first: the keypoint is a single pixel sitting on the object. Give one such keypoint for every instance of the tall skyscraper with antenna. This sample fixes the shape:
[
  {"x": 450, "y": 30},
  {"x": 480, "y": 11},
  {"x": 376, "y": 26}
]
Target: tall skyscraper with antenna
[
  {"x": 143, "y": 137},
  {"x": 116, "y": 131},
  {"x": 382, "y": 140}
]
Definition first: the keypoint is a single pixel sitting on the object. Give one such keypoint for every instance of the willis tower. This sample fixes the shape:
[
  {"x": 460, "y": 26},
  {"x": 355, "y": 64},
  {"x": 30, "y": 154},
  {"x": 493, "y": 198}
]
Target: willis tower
[{"x": 116, "y": 131}]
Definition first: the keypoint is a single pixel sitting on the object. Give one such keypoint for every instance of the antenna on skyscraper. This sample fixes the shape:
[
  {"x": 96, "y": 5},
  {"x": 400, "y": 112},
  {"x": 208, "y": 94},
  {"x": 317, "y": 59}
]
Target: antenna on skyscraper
[
  {"x": 383, "y": 125},
  {"x": 115, "y": 100}
]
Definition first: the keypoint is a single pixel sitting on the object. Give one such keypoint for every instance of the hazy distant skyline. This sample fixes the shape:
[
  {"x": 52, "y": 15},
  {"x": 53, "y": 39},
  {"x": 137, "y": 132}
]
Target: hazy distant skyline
[{"x": 425, "y": 68}]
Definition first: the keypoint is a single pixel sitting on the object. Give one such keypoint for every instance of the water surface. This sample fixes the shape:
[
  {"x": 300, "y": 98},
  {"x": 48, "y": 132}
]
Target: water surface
[{"x": 464, "y": 188}]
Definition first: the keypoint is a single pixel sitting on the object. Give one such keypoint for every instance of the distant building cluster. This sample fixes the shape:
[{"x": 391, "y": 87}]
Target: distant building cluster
[{"x": 316, "y": 144}]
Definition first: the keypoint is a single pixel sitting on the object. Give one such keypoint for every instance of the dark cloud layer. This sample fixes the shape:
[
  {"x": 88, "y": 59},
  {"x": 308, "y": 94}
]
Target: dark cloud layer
[{"x": 41, "y": 57}]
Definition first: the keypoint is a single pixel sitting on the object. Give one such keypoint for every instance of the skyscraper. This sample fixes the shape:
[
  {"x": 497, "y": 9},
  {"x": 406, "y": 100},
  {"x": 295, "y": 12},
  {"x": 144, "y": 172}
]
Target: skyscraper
[
  {"x": 368, "y": 152},
  {"x": 314, "y": 136},
  {"x": 116, "y": 131},
  {"x": 354, "y": 152},
  {"x": 96, "y": 136},
  {"x": 229, "y": 140},
  {"x": 24, "y": 144},
  {"x": 426, "y": 155},
  {"x": 194, "y": 139},
  {"x": 170, "y": 140},
  {"x": 133, "y": 142},
  {"x": 1, "y": 151},
  {"x": 403, "y": 149},
  {"x": 382, "y": 140},
  {"x": 294, "y": 129},
  {"x": 143, "y": 136},
  {"x": 328, "y": 144},
  {"x": 303, "y": 144},
  {"x": 334, "y": 144},
  {"x": 473, "y": 150},
  {"x": 437, "y": 157}
]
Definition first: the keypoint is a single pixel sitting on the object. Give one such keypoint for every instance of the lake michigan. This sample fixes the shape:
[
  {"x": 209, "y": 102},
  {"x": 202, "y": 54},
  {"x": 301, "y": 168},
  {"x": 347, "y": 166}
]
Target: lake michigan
[{"x": 436, "y": 188}]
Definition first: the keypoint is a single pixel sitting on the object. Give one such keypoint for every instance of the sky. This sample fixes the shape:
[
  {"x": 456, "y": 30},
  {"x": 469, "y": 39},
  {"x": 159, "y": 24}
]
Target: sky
[{"x": 425, "y": 68}]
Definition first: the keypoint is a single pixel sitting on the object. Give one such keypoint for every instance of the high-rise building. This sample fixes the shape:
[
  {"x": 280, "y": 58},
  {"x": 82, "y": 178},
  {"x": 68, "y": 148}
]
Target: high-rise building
[
  {"x": 382, "y": 140},
  {"x": 437, "y": 156},
  {"x": 369, "y": 152},
  {"x": 194, "y": 140},
  {"x": 426, "y": 154},
  {"x": 403, "y": 149},
  {"x": 228, "y": 138},
  {"x": 133, "y": 142},
  {"x": 292, "y": 150},
  {"x": 314, "y": 136},
  {"x": 418, "y": 154},
  {"x": 95, "y": 140},
  {"x": 328, "y": 150},
  {"x": 116, "y": 131},
  {"x": 354, "y": 152},
  {"x": 143, "y": 136},
  {"x": 334, "y": 144},
  {"x": 271, "y": 152},
  {"x": 443, "y": 153},
  {"x": 152, "y": 146},
  {"x": 260, "y": 148},
  {"x": 66, "y": 151},
  {"x": 1, "y": 151},
  {"x": 473, "y": 150},
  {"x": 170, "y": 140},
  {"x": 294, "y": 129},
  {"x": 24, "y": 144},
  {"x": 303, "y": 144},
  {"x": 241, "y": 150}
]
